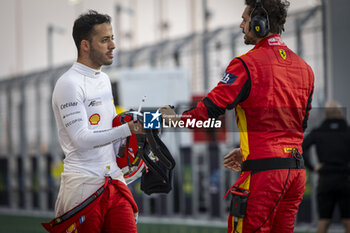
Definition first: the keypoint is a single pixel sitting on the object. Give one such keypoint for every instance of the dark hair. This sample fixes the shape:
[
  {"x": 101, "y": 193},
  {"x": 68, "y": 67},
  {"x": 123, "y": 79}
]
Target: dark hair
[
  {"x": 83, "y": 26},
  {"x": 277, "y": 12}
]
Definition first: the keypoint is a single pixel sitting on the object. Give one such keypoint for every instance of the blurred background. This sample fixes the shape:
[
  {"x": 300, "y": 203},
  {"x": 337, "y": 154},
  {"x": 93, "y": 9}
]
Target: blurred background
[{"x": 172, "y": 51}]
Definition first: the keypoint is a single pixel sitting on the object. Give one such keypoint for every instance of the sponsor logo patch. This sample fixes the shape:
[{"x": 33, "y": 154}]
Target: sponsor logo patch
[
  {"x": 288, "y": 150},
  {"x": 94, "y": 119},
  {"x": 70, "y": 114},
  {"x": 228, "y": 78},
  {"x": 73, "y": 122},
  {"x": 95, "y": 102},
  {"x": 151, "y": 120},
  {"x": 69, "y": 104},
  {"x": 275, "y": 41}
]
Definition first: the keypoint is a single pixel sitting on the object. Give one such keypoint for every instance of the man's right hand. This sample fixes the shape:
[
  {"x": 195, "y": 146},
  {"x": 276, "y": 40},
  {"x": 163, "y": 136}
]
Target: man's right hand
[
  {"x": 168, "y": 114},
  {"x": 233, "y": 160},
  {"x": 318, "y": 167},
  {"x": 136, "y": 127}
]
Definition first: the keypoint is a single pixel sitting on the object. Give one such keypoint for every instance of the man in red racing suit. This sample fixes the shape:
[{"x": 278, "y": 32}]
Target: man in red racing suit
[{"x": 271, "y": 89}]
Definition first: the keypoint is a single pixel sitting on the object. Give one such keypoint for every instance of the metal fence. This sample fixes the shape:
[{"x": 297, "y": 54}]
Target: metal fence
[{"x": 30, "y": 157}]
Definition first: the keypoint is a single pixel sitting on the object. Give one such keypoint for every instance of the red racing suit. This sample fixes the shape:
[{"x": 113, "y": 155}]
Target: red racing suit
[
  {"x": 110, "y": 209},
  {"x": 271, "y": 89}
]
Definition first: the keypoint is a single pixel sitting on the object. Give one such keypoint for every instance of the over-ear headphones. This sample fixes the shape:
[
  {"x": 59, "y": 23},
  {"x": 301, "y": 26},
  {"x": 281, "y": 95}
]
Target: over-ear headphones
[{"x": 259, "y": 23}]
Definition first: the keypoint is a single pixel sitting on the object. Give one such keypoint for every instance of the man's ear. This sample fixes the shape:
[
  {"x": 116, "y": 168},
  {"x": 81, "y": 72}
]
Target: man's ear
[{"x": 85, "y": 46}]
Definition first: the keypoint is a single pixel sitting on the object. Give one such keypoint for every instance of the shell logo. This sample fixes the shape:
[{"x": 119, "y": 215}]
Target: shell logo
[{"x": 94, "y": 119}]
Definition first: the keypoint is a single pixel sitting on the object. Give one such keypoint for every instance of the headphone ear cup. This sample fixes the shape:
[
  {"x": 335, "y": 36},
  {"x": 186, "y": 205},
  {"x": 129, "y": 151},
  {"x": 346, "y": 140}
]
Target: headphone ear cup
[{"x": 260, "y": 26}]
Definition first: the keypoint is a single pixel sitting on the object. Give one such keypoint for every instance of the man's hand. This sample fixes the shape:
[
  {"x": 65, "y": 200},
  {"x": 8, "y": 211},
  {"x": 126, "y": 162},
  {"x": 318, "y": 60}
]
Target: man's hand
[
  {"x": 168, "y": 114},
  {"x": 136, "y": 127},
  {"x": 233, "y": 160},
  {"x": 318, "y": 167}
]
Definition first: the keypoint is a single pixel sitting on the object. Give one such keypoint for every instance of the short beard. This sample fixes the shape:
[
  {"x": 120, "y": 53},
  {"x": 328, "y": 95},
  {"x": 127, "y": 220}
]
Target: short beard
[
  {"x": 249, "y": 41},
  {"x": 98, "y": 58}
]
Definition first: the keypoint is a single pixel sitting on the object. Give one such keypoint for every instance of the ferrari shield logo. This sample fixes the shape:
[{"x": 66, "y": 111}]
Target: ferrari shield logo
[
  {"x": 257, "y": 28},
  {"x": 283, "y": 54}
]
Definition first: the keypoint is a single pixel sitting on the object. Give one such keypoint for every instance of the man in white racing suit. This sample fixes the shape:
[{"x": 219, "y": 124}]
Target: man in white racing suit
[{"x": 83, "y": 107}]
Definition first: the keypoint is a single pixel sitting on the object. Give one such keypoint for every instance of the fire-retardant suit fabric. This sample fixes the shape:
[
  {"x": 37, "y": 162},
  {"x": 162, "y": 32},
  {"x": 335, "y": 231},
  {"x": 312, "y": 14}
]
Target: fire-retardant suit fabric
[
  {"x": 109, "y": 209},
  {"x": 83, "y": 107},
  {"x": 271, "y": 89}
]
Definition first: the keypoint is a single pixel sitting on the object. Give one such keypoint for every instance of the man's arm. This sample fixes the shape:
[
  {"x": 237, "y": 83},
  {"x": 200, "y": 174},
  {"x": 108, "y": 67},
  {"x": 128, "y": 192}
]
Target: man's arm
[
  {"x": 307, "y": 143},
  {"x": 68, "y": 100},
  {"x": 233, "y": 88},
  {"x": 308, "y": 108}
]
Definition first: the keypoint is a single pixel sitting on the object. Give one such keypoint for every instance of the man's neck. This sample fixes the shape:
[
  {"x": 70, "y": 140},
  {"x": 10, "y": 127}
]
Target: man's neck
[
  {"x": 88, "y": 63},
  {"x": 260, "y": 39}
]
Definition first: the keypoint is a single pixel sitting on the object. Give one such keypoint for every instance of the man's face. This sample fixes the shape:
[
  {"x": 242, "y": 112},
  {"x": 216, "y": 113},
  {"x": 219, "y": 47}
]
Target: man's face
[
  {"x": 102, "y": 45},
  {"x": 249, "y": 37}
]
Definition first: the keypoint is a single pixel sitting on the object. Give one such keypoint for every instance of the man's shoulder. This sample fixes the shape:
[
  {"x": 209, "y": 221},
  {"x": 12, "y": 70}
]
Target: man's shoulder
[
  {"x": 70, "y": 76},
  {"x": 106, "y": 79},
  {"x": 253, "y": 53},
  {"x": 245, "y": 59},
  {"x": 70, "y": 80},
  {"x": 104, "y": 74}
]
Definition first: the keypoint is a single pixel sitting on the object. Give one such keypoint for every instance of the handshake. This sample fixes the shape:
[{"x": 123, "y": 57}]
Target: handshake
[{"x": 167, "y": 113}]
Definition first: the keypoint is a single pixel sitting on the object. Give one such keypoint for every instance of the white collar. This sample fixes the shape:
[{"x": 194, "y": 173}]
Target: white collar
[{"x": 87, "y": 71}]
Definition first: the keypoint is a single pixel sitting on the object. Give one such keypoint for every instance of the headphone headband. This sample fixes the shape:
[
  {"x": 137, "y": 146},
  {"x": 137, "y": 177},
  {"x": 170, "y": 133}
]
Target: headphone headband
[
  {"x": 265, "y": 18},
  {"x": 259, "y": 4}
]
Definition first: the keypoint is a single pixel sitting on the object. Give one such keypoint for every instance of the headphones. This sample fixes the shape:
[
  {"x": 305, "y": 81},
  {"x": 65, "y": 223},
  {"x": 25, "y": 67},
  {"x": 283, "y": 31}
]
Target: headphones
[{"x": 259, "y": 23}]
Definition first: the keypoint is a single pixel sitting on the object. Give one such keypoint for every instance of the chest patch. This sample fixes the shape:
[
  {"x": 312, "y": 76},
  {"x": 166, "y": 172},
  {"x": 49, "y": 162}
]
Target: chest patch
[
  {"x": 95, "y": 102},
  {"x": 283, "y": 54}
]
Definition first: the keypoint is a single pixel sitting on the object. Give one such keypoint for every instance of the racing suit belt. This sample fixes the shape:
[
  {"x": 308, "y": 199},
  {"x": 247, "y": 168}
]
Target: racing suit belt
[{"x": 258, "y": 165}]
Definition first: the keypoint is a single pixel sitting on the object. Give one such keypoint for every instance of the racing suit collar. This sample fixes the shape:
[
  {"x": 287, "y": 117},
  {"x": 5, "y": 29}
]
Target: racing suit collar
[
  {"x": 274, "y": 39},
  {"x": 85, "y": 70}
]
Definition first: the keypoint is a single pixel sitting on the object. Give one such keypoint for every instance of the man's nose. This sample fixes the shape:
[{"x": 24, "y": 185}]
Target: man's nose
[{"x": 111, "y": 45}]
